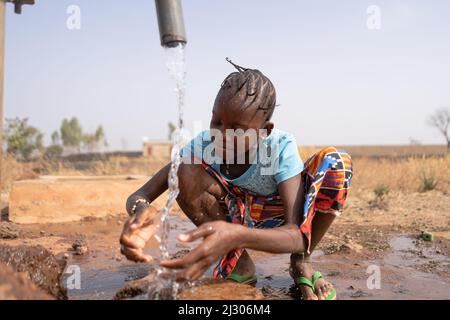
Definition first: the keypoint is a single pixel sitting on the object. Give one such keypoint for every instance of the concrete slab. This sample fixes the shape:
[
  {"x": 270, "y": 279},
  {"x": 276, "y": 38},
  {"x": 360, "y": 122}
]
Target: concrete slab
[{"x": 55, "y": 199}]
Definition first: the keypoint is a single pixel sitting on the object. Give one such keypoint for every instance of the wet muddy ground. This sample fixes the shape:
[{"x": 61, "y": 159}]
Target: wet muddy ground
[{"x": 350, "y": 256}]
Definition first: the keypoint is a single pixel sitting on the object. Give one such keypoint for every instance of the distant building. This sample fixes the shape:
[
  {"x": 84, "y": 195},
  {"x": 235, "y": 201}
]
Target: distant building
[{"x": 157, "y": 148}]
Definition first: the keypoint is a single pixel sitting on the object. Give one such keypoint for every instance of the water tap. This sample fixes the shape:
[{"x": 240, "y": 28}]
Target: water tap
[
  {"x": 19, "y": 3},
  {"x": 171, "y": 22}
]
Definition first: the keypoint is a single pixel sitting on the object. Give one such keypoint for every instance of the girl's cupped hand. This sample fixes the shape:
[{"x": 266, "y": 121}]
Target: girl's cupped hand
[{"x": 219, "y": 237}]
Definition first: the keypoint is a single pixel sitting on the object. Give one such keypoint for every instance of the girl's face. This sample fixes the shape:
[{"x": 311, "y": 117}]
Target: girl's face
[{"x": 240, "y": 129}]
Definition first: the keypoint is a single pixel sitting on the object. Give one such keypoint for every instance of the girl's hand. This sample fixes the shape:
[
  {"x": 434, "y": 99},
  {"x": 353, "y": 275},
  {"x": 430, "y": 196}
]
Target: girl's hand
[
  {"x": 137, "y": 231},
  {"x": 219, "y": 238}
]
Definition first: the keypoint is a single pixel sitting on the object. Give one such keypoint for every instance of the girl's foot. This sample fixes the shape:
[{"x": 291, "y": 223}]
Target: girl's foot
[
  {"x": 245, "y": 266},
  {"x": 302, "y": 268}
]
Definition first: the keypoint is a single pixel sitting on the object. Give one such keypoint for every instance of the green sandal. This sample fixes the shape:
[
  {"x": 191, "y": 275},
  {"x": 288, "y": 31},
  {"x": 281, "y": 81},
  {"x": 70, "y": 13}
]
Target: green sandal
[
  {"x": 311, "y": 284},
  {"x": 242, "y": 279}
]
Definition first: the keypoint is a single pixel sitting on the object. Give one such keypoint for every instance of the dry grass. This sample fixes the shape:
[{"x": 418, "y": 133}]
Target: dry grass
[
  {"x": 405, "y": 174},
  {"x": 391, "y": 151},
  {"x": 400, "y": 168},
  {"x": 113, "y": 166},
  {"x": 13, "y": 170}
]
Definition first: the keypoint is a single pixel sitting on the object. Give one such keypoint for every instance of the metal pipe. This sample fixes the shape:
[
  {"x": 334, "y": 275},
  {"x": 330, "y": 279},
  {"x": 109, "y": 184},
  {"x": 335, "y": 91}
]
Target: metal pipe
[
  {"x": 19, "y": 3},
  {"x": 2, "y": 61},
  {"x": 171, "y": 22}
]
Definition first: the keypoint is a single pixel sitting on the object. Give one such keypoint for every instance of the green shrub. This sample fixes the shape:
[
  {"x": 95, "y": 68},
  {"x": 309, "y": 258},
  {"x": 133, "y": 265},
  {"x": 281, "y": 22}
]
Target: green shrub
[
  {"x": 381, "y": 191},
  {"x": 429, "y": 180}
]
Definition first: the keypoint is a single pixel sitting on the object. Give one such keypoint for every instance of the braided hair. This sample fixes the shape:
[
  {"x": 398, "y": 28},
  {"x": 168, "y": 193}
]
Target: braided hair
[{"x": 256, "y": 88}]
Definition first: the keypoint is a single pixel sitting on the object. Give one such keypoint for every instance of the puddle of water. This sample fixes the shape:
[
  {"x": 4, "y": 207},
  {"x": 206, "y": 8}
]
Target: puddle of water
[
  {"x": 405, "y": 253},
  {"x": 102, "y": 284},
  {"x": 399, "y": 278},
  {"x": 102, "y": 276},
  {"x": 401, "y": 274}
]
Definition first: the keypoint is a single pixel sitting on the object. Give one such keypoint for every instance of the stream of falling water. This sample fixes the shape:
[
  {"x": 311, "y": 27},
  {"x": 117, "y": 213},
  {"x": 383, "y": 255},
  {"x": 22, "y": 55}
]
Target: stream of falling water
[{"x": 163, "y": 284}]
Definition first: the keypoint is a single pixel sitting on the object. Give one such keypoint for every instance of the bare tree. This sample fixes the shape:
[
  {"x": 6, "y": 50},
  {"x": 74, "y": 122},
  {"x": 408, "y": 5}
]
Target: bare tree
[{"x": 441, "y": 121}]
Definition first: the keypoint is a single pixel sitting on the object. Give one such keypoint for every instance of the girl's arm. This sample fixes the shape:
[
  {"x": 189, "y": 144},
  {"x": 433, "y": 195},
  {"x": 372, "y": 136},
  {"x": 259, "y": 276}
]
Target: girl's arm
[
  {"x": 139, "y": 227},
  {"x": 151, "y": 190}
]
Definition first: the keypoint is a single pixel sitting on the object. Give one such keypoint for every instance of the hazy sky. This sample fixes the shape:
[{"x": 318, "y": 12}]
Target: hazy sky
[{"x": 337, "y": 81}]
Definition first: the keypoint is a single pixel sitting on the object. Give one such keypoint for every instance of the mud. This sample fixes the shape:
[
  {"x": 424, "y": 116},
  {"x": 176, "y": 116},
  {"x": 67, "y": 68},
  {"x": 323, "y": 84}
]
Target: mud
[
  {"x": 133, "y": 290},
  {"x": 39, "y": 264},
  {"x": 80, "y": 246},
  {"x": 17, "y": 286},
  {"x": 213, "y": 289},
  {"x": 205, "y": 289},
  {"x": 408, "y": 267},
  {"x": 346, "y": 267},
  {"x": 8, "y": 231}
]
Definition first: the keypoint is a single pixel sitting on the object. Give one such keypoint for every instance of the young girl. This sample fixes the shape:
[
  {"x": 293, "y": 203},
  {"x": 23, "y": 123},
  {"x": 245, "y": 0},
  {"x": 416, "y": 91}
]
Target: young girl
[{"x": 246, "y": 193}]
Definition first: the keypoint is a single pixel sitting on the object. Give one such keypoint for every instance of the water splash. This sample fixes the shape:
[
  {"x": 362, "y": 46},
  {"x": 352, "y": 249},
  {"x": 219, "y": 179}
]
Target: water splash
[{"x": 163, "y": 284}]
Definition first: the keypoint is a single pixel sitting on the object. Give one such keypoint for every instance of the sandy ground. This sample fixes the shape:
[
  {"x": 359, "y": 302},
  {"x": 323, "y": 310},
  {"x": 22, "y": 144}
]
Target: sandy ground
[{"x": 368, "y": 239}]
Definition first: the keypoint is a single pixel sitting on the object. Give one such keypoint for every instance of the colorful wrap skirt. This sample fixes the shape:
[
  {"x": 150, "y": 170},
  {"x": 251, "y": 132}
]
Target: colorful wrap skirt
[{"x": 326, "y": 178}]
